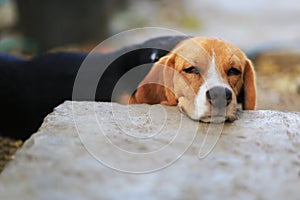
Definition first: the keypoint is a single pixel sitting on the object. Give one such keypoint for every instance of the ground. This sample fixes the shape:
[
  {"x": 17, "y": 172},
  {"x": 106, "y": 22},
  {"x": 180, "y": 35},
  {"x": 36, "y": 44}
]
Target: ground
[
  {"x": 8, "y": 147},
  {"x": 278, "y": 81}
]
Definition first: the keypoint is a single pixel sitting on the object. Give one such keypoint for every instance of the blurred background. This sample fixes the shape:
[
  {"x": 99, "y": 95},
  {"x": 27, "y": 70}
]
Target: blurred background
[{"x": 35, "y": 26}]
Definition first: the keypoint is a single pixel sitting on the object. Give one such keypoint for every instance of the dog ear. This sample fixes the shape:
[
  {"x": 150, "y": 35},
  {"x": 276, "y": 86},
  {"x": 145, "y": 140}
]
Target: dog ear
[
  {"x": 168, "y": 76},
  {"x": 248, "y": 94},
  {"x": 157, "y": 86}
]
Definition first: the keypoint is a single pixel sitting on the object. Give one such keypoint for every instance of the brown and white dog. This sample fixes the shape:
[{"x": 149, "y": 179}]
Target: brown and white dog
[{"x": 205, "y": 77}]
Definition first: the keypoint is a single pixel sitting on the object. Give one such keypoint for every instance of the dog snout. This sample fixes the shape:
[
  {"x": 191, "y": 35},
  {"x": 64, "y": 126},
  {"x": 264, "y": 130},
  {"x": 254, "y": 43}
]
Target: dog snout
[{"x": 219, "y": 97}]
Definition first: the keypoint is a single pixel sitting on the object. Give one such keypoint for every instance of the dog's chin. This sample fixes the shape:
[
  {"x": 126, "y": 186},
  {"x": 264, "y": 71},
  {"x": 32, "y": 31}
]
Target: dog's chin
[
  {"x": 218, "y": 116},
  {"x": 214, "y": 119}
]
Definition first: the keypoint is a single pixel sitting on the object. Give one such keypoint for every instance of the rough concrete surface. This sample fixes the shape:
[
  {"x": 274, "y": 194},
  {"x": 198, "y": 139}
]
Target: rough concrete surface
[{"x": 87, "y": 150}]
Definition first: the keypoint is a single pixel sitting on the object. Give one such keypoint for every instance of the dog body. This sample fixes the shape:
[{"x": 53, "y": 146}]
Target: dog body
[
  {"x": 30, "y": 89},
  {"x": 205, "y": 77}
]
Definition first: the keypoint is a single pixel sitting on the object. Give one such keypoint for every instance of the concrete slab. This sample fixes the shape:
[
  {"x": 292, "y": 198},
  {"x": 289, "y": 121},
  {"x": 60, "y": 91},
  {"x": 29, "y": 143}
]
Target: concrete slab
[{"x": 87, "y": 150}]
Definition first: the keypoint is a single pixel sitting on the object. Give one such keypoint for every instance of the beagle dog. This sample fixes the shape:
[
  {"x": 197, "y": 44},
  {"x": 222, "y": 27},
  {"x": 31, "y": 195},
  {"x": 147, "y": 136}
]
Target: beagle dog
[{"x": 205, "y": 77}]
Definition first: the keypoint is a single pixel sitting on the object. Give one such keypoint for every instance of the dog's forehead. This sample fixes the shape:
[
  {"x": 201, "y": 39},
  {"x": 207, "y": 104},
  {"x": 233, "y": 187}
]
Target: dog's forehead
[
  {"x": 200, "y": 49},
  {"x": 192, "y": 52}
]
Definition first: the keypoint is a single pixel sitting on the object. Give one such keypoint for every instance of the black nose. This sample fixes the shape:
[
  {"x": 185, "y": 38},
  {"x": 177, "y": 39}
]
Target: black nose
[{"x": 219, "y": 96}]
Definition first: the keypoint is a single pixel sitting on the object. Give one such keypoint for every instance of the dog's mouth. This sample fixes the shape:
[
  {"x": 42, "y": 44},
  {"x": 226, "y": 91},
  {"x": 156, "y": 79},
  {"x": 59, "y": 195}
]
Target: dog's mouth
[{"x": 214, "y": 118}]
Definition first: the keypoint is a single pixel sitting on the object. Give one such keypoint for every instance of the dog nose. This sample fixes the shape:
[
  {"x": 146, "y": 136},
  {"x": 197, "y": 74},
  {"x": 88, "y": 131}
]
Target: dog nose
[{"x": 219, "y": 96}]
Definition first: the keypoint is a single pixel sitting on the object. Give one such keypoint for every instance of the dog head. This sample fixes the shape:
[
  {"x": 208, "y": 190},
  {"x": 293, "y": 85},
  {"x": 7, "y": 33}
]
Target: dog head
[{"x": 205, "y": 77}]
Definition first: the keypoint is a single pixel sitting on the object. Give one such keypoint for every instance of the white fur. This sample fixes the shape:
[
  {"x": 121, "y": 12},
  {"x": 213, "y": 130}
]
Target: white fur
[
  {"x": 213, "y": 79},
  {"x": 153, "y": 56}
]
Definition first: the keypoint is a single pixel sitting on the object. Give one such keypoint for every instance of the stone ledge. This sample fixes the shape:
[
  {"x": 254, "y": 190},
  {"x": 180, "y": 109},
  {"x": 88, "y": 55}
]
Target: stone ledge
[{"x": 163, "y": 155}]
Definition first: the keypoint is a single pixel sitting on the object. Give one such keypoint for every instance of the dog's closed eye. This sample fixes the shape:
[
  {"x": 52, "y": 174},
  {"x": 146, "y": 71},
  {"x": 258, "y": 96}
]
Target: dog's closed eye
[
  {"x": 233, "y": 72},
  {"x": 192, "y": 70}
]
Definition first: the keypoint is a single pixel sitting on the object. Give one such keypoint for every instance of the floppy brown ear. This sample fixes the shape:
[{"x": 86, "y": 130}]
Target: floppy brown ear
[
  {"x": 248, "y": 93},
  {"x": 156, "y": 88}
]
